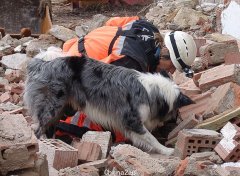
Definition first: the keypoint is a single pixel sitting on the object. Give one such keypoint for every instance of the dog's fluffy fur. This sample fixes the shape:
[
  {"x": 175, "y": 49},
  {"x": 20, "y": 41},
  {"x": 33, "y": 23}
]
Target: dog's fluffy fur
[{"x": 118, "y": 98}]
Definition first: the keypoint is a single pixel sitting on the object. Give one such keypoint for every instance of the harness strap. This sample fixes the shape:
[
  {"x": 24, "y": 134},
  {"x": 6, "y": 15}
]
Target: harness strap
[
  {"x": 128, "y": 33},
  {"x": 81, "y": 47}
]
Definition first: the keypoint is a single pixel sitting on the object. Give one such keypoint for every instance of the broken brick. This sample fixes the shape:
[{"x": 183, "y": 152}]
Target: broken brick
[
  {"x": 232, "y": 58},
  {"x": 215, "y": 52},
  {"x": 189, "y": 88},
  {"x": 199, "y": 43},
  {"x": 88, "y": 151},
  {"x": 16, "y": 89},
  {"x": 229, "y": 147},
  {"x": 138, "y": 162},
  {"x": 14, "y": 75},
  {"x": 197, "y": 109},
  {"x": 5, "y": 97},
  {"x": 102, "y": 138},
  {"x": 219, "y": 75},
  {"x": 228, "y": 150},
  {"x": 18, "y": 144},
  {"x": 99, "y": 164},
  {"x": 15, "y": 98},
  {"x": 225, "y": 97},
  {"x": 195, "y": 140},
  {"x": 187, "y": 123},
  {"x": 60, "y": 155}
]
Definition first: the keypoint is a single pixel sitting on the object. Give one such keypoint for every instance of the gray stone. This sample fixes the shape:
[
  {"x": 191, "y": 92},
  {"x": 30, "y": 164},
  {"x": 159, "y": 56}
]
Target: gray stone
[
  {"x": 7, "y": 39},
  {"x": 82, "y": 30},
  {"x": 97, "y": 21},
  {"x": 5, "y": 49},
  {"x": 187, "y": 17},
  {"x": 15, "y": 61},
  {"x": 41, "y": 44},
  {"x": 62, "y": 33},
  {"x": 8, "y": 106},
  {"x": 25, "y": 40}
]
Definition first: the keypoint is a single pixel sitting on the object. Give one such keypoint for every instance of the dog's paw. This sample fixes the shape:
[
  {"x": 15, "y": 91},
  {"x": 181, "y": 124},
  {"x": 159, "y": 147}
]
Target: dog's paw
[
  {"x": 37, "y": 130},
  {"x": 168, "y": 151}
]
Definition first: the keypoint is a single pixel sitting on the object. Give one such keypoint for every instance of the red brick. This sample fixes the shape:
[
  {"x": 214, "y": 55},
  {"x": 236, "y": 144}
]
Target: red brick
[
  {"x": 15, "y": 98},
  {"x": 196, "y": 78},
  {"x": 219, "y": 75},
  {"x": 195, "y": 140},
  {"x": 17, "y": 88},
  {"x": 216, "y": 52},
  {"x": 199, "y": 42},
  {"x": 5, "y": 97},
  {"x": 182, "y": 167},
  {"x": 225, "y": 97},
  {"x": 197, "y": 109},
  {"x": 228, "y": 148},
  {"x": 13, "y": 75},
  {"x": 102, "y": 138},
  {"x": 232, "y": 58},
  {"x": 189, "y": 88},
  {"x": 60, "y": 155},
  {"x": 88, "y": 151},
  {"x": 229, "y": 151},
  {"x": 187, "y": 123}
]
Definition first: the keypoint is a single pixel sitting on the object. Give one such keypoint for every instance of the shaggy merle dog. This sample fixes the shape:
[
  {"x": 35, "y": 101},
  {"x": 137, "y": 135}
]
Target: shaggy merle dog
[{"x": 118, "y": 98}]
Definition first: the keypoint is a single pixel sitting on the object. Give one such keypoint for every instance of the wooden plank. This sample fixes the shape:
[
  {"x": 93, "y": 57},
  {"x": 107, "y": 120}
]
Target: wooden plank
[{"x": 218, "y": 121}]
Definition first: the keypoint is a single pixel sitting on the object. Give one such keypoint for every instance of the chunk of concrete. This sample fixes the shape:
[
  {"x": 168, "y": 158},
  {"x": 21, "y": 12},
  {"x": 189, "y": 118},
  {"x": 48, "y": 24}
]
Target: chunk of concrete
[
  {"x": 18, "y": 144},
  {"x": 41, "y": 44},
  {"x": 16, "y": 61},
  {"x": 62, "y": 33}
]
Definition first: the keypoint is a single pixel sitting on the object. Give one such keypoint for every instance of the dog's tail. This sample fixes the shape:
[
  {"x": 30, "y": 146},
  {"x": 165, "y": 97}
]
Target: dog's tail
[{"x": 51, "y": 53}]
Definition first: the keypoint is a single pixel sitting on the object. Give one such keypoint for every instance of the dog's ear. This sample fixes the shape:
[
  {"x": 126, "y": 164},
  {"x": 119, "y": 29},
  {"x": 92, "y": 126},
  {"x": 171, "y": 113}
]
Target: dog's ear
[
  {"x": 34, "y": 65},
  {"x": 184, "y": 100}
]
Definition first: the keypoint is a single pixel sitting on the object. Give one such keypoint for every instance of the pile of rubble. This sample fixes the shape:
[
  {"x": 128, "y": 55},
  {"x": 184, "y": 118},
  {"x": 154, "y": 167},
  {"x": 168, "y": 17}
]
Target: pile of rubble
[{"x": 207, "y": 135}]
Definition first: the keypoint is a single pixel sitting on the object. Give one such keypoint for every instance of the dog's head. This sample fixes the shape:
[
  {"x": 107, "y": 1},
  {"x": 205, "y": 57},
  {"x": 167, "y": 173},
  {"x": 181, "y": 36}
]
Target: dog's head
[
  {"x": 46, "y": 91},
  {"x": 180, "y": 101}
]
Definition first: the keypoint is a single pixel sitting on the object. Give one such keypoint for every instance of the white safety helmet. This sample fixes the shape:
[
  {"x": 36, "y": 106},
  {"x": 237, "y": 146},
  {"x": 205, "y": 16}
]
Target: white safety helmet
[{"x": 182, "y": 49}]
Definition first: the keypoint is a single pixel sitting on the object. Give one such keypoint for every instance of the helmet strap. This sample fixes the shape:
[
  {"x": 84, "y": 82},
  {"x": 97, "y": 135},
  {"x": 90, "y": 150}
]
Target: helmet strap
[{"x": 176, "y": 52}]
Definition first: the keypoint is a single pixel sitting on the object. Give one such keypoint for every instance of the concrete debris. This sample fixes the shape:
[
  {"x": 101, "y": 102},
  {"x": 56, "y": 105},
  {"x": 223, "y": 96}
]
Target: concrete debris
[
  {"x": 18, "y": 144},
  {"x": 62, "y": 33},
  {"x": 215, "y": 88},
  {"x": 79, "y": 171},
  {"x": 137, "y": 162},
  {"x": 215, "y": 53},
  {"x": 42, "y": 43},
  {"x": 187, "y": 17}
]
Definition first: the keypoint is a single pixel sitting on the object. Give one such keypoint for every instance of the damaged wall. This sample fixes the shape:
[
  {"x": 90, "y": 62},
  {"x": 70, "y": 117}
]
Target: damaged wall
[{"x": 230, "y": 18}]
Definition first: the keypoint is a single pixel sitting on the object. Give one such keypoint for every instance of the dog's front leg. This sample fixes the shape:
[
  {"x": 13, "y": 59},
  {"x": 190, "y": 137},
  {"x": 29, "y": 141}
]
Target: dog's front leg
[{"x": 148, "y": 141}]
